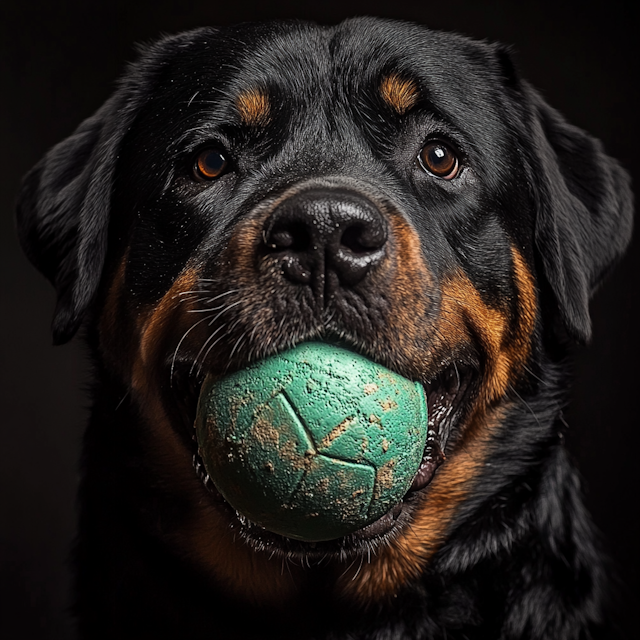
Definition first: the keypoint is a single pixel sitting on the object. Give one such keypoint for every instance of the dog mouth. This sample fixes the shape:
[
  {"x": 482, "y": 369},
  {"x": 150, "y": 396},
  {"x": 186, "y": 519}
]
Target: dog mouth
[{"x": 448, "y": 393}]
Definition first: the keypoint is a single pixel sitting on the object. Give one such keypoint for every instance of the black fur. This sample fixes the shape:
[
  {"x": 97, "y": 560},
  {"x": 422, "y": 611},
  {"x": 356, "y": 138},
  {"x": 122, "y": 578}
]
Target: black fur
[{"x": 520, "y": 559}]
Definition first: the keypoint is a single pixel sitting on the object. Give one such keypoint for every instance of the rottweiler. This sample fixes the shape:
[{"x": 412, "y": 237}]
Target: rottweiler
[{"x": 376, "y": 185}]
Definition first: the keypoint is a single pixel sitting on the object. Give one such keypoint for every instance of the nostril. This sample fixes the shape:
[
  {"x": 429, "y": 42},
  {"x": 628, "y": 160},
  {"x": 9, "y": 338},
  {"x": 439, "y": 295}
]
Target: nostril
[
  {"x": 294, "y": 236},
  {"x": 361, "y": 238},
  {"x": 281, "y": 239},
  {"x": 352, "y": 240}
]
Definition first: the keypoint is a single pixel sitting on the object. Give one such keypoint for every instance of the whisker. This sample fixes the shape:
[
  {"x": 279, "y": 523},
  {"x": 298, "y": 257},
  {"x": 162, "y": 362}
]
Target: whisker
[
  {"x": 227, "y": 308},
  {"x": 359, "y": 568},
  {"x": 206, "y": 355},
  {"x": 238, "y": 342},
  {"x": 193, "y": 97},
  {"x": 532, "y": 374},
  {"x": 204, "y": 293},
  {"x": 126, "y": 395},
  {"x": 206, "y": 342},
  {"x": 175, "y": 353},
  {"x": 205, "y": 310}
]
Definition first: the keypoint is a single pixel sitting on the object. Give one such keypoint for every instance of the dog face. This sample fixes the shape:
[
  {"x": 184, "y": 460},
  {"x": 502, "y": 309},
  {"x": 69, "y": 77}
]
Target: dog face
[{"x": 377, "y": 185}]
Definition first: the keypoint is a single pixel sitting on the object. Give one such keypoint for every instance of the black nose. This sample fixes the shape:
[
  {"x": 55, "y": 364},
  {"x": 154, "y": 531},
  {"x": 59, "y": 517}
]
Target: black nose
[{"x": 322, "y": 232}]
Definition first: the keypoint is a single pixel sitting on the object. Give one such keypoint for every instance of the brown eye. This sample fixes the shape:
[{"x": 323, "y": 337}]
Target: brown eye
[
  {"x": 209, "y": 164},
  {"x": 439, "y": 160}
]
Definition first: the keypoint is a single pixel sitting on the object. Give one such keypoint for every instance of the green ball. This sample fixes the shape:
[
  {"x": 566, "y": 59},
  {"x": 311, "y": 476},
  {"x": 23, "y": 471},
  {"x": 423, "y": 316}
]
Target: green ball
[{"x": 313, "y": 443}]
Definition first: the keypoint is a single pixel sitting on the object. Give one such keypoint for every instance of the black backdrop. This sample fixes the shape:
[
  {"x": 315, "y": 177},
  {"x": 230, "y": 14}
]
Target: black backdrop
[{"x": 58, "y": 62}]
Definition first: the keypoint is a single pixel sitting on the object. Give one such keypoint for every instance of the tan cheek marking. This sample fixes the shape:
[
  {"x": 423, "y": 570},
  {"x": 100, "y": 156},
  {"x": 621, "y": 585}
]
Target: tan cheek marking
[
  {"x": 527, "y": 309},
  {"x": 506, "y": 350},
  {"x": 403, "y": 333},
  {"x": 254, "y": 107},
  {"x": 465, "y": 317},
  {"x": 407, "y": 556},
  {"x": 401, "y": 94},
  {"x": 205, "y": 537},
  {"x": 152, "y": 327}
]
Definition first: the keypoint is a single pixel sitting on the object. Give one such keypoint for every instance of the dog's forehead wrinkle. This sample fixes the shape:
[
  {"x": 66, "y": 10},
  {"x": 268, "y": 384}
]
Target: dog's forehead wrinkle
[
  {"x": 297, "y": 62},
  {"x": 313, "y": 67},
  {"x": 309, "y": 60}
]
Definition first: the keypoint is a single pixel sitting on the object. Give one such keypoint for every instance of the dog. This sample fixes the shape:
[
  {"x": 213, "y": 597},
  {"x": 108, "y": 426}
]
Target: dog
[{"x": 398, "y": 191}]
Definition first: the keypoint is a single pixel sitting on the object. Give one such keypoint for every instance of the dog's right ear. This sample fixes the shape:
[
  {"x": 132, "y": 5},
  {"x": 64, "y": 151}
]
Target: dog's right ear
[
  {"x": 63, "y": 212},
  {"x": 64, "y": 204}
]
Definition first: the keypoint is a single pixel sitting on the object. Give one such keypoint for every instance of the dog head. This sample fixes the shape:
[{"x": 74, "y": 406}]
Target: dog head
[{"x": 373, "y": 184}]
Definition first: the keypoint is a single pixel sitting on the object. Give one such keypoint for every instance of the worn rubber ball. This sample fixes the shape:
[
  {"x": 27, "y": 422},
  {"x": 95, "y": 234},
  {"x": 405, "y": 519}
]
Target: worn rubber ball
[{"x": 313, "y": 443}]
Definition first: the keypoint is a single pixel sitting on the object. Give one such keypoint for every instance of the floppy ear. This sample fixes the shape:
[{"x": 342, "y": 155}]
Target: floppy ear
[
  {"x": 63, "y": 213},
  {"x": 64, "y": 204},
  {"x": 584, "y": 212}
]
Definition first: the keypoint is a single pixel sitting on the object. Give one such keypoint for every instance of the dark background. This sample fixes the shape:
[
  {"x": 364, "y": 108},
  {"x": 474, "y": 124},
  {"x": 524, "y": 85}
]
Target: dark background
[{"x": 58, "y": 63}]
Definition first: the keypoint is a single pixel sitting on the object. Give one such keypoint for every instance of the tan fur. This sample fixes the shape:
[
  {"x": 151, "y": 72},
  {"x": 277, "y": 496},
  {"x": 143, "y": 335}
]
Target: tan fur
[
  {"x": 254, "y": 107},
  {"x": 399, "y": 93}
]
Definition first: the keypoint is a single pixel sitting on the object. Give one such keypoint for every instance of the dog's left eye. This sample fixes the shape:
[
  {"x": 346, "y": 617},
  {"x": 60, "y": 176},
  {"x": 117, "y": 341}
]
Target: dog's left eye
[
  {"x": 210, "y": 164},
  {"x": 439, "y": 159}
]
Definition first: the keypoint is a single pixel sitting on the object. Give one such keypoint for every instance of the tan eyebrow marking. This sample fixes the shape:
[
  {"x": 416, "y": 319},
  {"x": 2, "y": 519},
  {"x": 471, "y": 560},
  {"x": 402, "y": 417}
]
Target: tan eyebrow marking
[
  {"x": 400, "y": 93},
  {"x": 254, "y": 107}
]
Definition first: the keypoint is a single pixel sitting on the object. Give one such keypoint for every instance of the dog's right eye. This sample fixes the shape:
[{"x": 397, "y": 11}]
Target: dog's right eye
[{"x": 209, "y": 164}]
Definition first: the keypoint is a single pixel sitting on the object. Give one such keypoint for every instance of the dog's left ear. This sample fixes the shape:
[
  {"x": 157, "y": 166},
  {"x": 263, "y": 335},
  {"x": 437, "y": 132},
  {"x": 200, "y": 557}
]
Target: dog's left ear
[{"x": 584, "y": 211}]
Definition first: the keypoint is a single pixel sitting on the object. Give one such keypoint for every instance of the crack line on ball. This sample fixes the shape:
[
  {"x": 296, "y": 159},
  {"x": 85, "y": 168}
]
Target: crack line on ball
[{"x": 308, "y": 433}]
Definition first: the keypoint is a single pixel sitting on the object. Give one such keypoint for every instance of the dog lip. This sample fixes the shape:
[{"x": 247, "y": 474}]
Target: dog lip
[
  {"x": 431, "y": 460},
  {"x": 382, "y": 525},
  {"x": 446, "y": 396}
]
